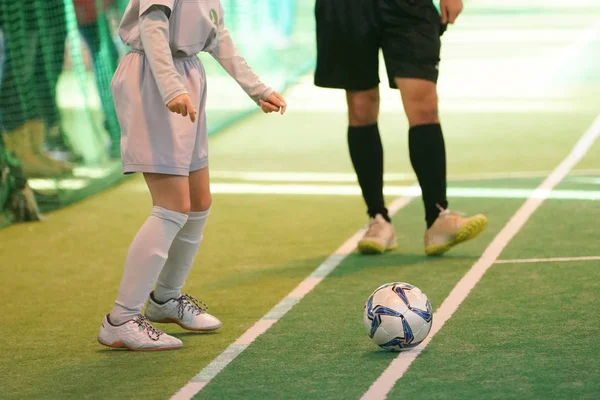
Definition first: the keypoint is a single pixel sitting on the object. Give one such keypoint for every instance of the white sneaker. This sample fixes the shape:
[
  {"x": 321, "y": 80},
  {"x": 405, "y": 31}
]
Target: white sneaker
[
  {"x": 380, "y": 237},
  {"x": 136, "y": 334},
  {"x": 185, "y": 311}
]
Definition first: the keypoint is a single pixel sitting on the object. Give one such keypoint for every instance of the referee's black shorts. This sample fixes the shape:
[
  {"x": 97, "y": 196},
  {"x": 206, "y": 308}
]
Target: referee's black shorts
[{"x": 351, "y": 32}]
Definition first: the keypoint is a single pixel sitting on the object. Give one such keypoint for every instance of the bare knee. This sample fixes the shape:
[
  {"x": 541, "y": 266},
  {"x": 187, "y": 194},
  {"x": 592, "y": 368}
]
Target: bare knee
[
  {"x": 422, "y": 112},
  {"x": 180, "y": 205},
  {"x": 200, "y": 196},
  {"x": 420, "y": 101},
  {"x": 202, "y": 202},
  {"x": 363, "y": 107},
  {"x": 169, "y": 192}
]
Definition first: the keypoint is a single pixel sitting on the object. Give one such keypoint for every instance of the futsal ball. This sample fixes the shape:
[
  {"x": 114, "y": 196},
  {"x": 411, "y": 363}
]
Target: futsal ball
[{"x": 397, "y": 316}]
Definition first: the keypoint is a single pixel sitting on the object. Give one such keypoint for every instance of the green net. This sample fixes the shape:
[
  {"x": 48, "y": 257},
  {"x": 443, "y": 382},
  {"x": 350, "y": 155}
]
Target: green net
[{"x": 60, "y": 134}]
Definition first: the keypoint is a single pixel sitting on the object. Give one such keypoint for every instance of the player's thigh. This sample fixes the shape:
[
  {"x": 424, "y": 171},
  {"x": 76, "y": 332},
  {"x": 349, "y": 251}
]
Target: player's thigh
[
  {"x": 200, "y": 197},
  {"x": 347, "y": 45},
  {"x": 169, "y": 191},
  {"x": 411, "y": 43}
]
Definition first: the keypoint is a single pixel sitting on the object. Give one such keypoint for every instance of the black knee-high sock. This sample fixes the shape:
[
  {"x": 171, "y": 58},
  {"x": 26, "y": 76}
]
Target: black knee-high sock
[
  {"x": 366, "y": 152},
  {"x": 428, "y": 158}
]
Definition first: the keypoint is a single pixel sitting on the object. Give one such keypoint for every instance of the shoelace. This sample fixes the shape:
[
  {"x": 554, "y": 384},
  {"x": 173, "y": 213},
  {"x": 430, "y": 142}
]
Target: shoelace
[
  {"x": 185, "y": 301},
  {"x": 143, "y": 323}
]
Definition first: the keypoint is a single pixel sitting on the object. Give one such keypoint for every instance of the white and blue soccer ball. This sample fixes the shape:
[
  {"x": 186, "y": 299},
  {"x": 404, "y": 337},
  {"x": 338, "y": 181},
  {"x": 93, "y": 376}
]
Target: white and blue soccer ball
[{"x": 397, "y": 316}]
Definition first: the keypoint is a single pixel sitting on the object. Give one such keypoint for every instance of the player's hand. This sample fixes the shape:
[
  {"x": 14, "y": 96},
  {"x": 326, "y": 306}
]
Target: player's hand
[
  {"x": 182, "y": 104},
  {"x": 274, "y": 103},
  {"x": 450, "y": 10}
]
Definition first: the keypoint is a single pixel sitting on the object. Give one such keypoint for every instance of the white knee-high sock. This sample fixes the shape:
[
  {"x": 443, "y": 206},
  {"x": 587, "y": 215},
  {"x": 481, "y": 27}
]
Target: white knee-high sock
[
  {"x": 181, "y": 257},
  {"x": 146, "y": 258}
]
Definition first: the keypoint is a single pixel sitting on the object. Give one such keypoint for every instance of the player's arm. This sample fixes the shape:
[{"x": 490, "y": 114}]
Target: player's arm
[
  {"x": 226, "y": 53},
  {"x": 154, "y": 34}
]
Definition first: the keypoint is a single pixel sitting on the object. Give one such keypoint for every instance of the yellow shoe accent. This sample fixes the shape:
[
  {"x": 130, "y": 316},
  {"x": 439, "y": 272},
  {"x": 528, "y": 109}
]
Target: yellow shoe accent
[
  {"x": 379, "y": 238},
  {"x": 369, "y": 247},
  {"x": 451, "y": 229}
]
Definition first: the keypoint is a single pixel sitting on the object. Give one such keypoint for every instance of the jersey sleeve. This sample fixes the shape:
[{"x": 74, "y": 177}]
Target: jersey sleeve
[
  {"x": 154, "y": 34},
  {"x": 146, "y": 4},
  {"x": 228, "y": 56}
]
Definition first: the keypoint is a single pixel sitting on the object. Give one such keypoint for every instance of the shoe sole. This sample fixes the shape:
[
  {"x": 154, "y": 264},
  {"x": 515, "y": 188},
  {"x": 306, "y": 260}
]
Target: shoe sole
[
  {"x": 369, "y": 247},
  {"x": 174, "y": 321},
  {"x": 470, "y": 231},
  {"x": 122, "y": 346}
]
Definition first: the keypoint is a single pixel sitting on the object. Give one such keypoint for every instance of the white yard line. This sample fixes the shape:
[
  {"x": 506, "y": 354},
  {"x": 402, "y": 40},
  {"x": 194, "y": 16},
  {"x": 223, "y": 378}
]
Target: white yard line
[
  {"x": 385, "y": 383},
  {"x": 350, "y": 177},
  {"x": 546, "y": 260},
  {"x": 354, "y": 190},
  {"x": 277, "y": 312}
]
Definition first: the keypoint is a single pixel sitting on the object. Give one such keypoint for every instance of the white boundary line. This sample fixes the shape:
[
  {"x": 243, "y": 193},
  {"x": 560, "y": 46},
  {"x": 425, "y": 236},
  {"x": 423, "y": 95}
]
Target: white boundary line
[
  {"x": 350, "y": 177},
  {"x": 354, "y": 190},
  {"x": 211, "y": 370},
  {"x": 385, "y": 383},
  {"x": 545, "y": 260}
]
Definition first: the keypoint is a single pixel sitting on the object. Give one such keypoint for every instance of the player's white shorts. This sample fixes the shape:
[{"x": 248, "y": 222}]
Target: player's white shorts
[{"x": 153, "y": 139}]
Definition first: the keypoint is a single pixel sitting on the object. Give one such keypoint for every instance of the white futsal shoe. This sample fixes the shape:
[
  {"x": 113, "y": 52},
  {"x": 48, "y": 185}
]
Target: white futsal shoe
[
  {"x": 185, "y": 311},
  {"x": 136, "y": 334}
]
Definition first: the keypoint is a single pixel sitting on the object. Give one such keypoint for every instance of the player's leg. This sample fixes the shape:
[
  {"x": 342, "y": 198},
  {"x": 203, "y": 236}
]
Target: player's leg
[
  {"x": 366, "y": 153},
  {"x": 167, "y": 303},
  {"x": 366, "y": 149},
  {"x": 17, "y": 97},
  {"x": 50, "y": 26},
  {"x": 125, "y": 326},
  {"x": 426, "y": 142},
  {"x": 348, "y": 58},
  {"x": 411, "y": 45}
]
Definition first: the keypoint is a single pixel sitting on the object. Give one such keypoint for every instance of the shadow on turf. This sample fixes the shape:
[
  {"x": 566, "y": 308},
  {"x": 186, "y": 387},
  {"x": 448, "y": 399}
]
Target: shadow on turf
[
  {"x": 354, "y": 263},
  {"x": 358, "y": 262},
  {"x": 380, "y": 354},
  {"x": 186, "y": 334}
]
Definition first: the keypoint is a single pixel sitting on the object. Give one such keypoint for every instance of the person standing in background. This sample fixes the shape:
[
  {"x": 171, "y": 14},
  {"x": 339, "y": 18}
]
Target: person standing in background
[
  {"x": 34, "y": 36},
  {"x": 48, "y": 20},
  {"x": 93, "y": 26}
]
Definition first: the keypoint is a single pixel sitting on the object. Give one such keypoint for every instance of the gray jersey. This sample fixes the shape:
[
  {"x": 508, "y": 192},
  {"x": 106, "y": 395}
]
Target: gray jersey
[{"x": 193, "y": 26}]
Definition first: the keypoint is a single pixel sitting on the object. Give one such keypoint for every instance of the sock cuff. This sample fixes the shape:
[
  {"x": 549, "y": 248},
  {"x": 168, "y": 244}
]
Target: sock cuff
[
  {"x": 198, "y": 215},
  {"x": 362, "y": 128},
  {"x": 175, "y": 217},
  {"x": 426, "y": 129}
]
